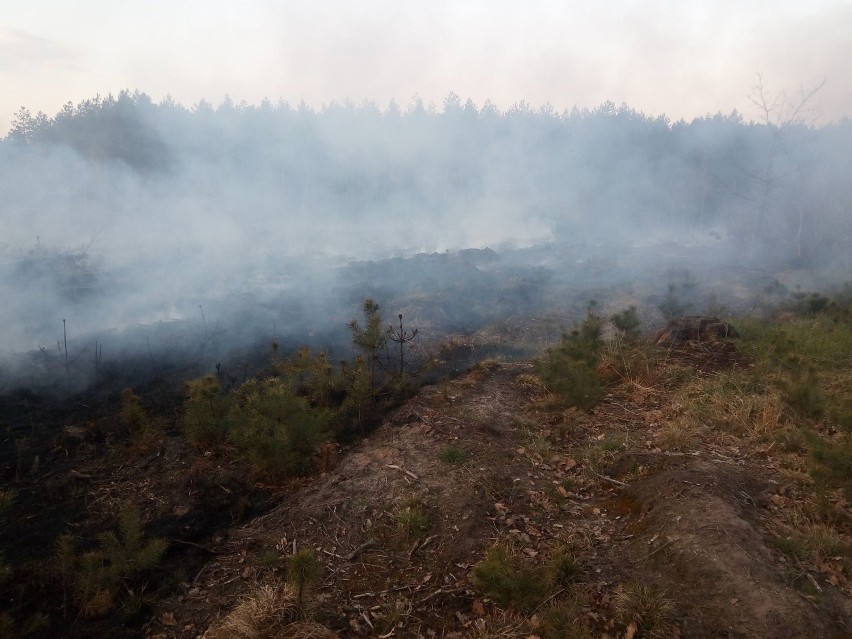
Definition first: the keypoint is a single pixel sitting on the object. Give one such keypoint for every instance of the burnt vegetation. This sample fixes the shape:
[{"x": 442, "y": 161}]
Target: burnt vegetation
[
  {"x": 156, "y": 461},
  {"x": 285, "y": 424}
]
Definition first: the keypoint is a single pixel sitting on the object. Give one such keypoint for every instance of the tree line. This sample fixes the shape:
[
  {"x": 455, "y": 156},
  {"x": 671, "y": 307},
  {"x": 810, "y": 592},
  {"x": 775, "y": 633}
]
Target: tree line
[{"x": 779, "y": 182}]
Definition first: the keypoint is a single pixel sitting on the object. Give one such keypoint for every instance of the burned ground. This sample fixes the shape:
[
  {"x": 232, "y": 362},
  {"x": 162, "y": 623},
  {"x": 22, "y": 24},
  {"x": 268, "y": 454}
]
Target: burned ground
[
  {"x": 638, "y": 495},
  {"x": 698, "y": 526}
]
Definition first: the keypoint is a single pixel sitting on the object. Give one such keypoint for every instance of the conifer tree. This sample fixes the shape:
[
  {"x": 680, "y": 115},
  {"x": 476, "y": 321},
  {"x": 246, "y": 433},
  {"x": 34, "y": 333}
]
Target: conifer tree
[{"x": 370, "y": 339}]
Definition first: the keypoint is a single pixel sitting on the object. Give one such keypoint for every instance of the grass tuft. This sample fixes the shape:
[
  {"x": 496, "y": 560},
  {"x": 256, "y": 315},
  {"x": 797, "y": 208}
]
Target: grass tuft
[
  {"x": 269, "y": 611},
  {"x": 648, "y": 606},
  {"x": 412, "y": 521}
]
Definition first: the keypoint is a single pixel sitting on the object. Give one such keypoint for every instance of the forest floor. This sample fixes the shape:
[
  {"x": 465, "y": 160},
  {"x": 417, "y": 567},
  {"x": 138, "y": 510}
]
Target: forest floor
[
  {"x": 660, "y": 531},
  {"x": 688, "y": 536}
]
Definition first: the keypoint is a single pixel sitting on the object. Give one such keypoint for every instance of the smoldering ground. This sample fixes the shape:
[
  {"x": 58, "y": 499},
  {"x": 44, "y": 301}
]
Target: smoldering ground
[{"x": 163, "y": 234}]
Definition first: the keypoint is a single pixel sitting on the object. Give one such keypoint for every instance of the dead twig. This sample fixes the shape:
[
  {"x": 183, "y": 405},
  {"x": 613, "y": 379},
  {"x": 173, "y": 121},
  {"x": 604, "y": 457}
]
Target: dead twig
[
  {"x": 367, "y": 619},
  {"x": 653, "y": 552},
  {"x": 370, "y": 543},
  {"x": 407, "y": 472},
  {"x": 439, "y": 591},
  {"x": 611, "y": 480}
]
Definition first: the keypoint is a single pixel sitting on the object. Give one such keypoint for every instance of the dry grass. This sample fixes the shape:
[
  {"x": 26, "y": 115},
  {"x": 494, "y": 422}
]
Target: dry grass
[
  {"x": 392, "y": 616},
  {"x": 804, "y": 537},
  {"x": 766, "y": 418},
  {"x": 633, "y": 363},
  {"x": 503, "y": 627},
  {"x": 647, "y": 606},
  {"x": 532, "y": 387},
  {"x": 680, "y": 435},
  {"x": 536, "y": 444},
  {"x": 732, "y": 402},
  {"x": 481, "y": 369},
  {"x": 270, "y": 612}
]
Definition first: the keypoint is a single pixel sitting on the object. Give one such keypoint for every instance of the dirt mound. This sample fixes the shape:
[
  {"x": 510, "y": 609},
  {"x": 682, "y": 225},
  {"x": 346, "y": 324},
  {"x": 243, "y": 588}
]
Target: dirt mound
[
  {"x": 401, "y": 521},
  {"x": 360, "y": 518},
  {"x": 698, "y": 534}
]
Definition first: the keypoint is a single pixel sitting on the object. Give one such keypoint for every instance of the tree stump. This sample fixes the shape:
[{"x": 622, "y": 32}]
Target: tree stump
[{"x": 694, "y": 328}]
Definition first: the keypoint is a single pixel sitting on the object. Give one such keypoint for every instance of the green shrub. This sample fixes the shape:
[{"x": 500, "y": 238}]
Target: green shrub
[
  {"x": 96, "y": 578},
  {"x": 627, "y": 321},
  {"x": 453, "y": 454},
  {"x": 207, "y": 412},
  {"x": 302, "y": 571},
  {"x": 802, "y": 392},
  {"x": 360, "y": 394},
  {"x": 512, "y": 581},
  {"x": 569, "y": 370},
  {"x": 314, "y": 378},
  {"x": 133, "y": 416},
  {"x": 370, "y": 339},
  {"x": 807, "y": 360},
  {"x": 810, "y": 303},
  {"x": 832, "y": 462},
  {"x": 564, "y": 569},
  {"x": 265, "y": 421},
  {"x": 841, "y": 413},
  {"x": 275, "y": 430}
]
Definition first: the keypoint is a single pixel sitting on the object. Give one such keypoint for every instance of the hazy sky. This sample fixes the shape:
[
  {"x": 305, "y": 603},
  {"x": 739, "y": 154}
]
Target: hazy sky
[{"x": 682, "y": 58}]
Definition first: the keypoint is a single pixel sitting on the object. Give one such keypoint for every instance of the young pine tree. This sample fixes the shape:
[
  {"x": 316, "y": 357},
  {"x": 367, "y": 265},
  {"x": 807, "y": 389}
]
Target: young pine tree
[{"x": 370, "y": 339}]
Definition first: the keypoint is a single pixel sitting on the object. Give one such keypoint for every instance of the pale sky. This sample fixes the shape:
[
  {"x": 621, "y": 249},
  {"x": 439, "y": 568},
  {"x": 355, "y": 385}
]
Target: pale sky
[{"x": 679, "y": 58}]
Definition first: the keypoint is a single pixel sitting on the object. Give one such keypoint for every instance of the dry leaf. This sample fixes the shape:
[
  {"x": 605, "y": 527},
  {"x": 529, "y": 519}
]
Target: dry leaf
[
  {"x": 477, "y": 608},
  {"x": 168, "y": 619},
  {"x": 631, "y": 631}
]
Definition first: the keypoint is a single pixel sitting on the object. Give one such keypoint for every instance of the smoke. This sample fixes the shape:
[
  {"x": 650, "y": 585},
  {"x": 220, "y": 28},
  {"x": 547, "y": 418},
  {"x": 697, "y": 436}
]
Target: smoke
[{"x": 171, "y": 234}]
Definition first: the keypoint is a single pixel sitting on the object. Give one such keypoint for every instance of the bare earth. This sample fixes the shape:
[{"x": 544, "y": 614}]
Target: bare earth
[{"x": 697, "y": 526}]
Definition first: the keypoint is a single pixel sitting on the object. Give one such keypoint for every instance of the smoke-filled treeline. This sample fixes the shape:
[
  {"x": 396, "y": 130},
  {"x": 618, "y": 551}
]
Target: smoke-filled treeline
[
  {"x": 123, "y": 212},
  {"x": 492, "y": 174}
]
